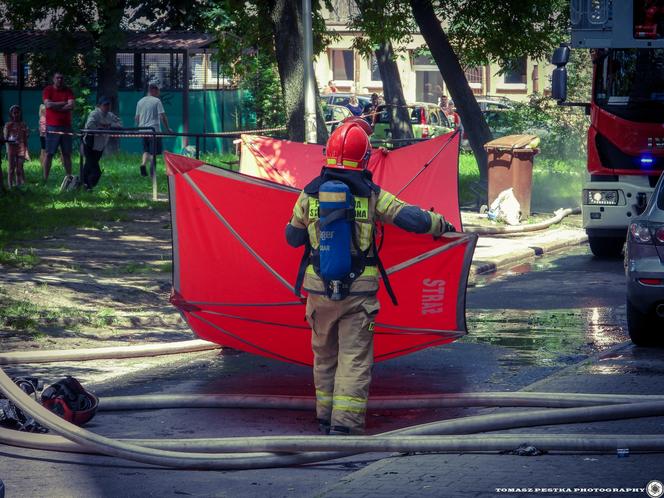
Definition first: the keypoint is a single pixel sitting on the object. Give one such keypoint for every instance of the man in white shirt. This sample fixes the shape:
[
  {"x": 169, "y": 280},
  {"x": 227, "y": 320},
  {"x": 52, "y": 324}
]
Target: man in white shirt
[{"x": 150, "y": 114}]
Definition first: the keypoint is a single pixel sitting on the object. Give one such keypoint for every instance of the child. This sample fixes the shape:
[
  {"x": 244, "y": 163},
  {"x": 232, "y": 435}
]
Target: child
[
  {"x": 42, "y": 134},
  {"x": 16, "y": 136}
]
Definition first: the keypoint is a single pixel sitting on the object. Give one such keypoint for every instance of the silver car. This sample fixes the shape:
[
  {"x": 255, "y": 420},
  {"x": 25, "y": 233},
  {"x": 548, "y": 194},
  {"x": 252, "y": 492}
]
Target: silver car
[{"x": 644, "y": 268}]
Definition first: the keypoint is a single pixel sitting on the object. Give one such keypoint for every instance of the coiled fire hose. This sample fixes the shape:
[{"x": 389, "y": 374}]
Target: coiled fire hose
[{"x": 456, "y": 435}]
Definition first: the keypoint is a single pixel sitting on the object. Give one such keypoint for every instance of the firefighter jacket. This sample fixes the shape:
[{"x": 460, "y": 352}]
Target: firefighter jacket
[{"x": 372, "y": 205}]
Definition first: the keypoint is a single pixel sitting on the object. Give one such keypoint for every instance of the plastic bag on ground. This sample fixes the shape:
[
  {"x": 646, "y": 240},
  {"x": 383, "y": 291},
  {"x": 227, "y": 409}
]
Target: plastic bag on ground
[{"x": 505, "y": 208}]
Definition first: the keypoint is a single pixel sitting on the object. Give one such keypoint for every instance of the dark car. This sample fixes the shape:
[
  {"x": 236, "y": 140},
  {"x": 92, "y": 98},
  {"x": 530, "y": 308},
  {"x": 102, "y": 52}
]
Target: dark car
[
  {"x": 496, "y": 113},
  {"x": 644, "y": 268}
]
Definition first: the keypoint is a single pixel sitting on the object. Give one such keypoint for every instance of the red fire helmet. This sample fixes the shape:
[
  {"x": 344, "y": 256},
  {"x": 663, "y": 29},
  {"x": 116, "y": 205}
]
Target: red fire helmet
[
  {"x": 361, "y": 122},
  {"x": 348, "y": 147}
]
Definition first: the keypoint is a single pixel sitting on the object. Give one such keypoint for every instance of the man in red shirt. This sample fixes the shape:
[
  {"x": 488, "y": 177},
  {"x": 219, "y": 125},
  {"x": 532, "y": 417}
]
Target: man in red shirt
[{"x": 59, "y": 102}]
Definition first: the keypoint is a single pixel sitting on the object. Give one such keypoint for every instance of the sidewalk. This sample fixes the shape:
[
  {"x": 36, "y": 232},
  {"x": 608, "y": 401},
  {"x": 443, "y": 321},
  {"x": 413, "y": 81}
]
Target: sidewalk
[
  {"x": 499, "y": 251},
  {"x": 624, "y": 369}
]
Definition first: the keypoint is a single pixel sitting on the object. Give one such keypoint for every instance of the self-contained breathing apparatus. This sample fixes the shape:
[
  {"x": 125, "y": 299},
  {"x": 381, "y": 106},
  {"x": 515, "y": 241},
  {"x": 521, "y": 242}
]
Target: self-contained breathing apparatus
[{"x": 339, "y": 260}]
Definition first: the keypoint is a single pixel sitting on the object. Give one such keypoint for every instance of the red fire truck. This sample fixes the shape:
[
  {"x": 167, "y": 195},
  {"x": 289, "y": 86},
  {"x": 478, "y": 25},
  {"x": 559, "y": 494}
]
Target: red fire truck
[{"x": 626, "y": 135}]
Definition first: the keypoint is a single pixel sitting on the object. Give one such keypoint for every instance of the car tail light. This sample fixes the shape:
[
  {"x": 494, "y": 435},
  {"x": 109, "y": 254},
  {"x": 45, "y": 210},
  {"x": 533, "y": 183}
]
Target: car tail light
[
  {"x": 659, "y": 235},
  {"x": 651, "y": 281},
  {"x": 642, "y": 232},
  {"x": 425, "y": 131}
]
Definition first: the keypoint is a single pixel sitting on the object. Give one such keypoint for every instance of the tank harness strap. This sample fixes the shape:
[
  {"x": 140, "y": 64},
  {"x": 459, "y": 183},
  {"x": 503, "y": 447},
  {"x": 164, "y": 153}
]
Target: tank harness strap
[
  {"x": 304, "y": 262},
  {"x": 381, "y": 269},
  {"x": 328, "y": 216},
  {"x": 386, "y": 281}
]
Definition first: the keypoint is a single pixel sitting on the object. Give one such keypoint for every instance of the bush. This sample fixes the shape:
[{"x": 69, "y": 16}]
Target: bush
[{"x": 562, "y": 129}]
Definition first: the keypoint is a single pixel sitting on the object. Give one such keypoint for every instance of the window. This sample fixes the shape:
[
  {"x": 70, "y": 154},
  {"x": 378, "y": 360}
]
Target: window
[
  {"x": 343, "y": 65},
  {"x": 8, "y": 69},
  {"x": 124, "y": 64},
  {"x": 163, "y": 69},
  {"x": 429, "y": 83},
  {"x": 423, "y": 60},
  {"x": 474, "y": 76},
  {"x": 375, "y": 72},
  {"x": 515, "y": 74},
  {"x": 428, "y": 86}
]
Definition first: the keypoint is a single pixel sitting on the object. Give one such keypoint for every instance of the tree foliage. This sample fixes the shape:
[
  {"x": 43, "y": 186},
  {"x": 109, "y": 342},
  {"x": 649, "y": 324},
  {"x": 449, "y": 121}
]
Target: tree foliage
[
  {"x": 104, "y": 22},
  {"x": 258, "y": 39},
  {"x": 500, "y": 31},
  {"x": 382, "y": 21}
]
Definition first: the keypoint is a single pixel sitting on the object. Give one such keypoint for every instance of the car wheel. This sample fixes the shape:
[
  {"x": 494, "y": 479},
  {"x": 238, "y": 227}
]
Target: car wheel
[
  {"x": 642, "y": 327},
  {"x": 606, "y": 247}
]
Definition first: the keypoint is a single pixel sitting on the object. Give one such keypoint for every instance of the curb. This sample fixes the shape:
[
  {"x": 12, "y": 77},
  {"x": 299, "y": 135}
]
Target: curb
[{"x": 492, "y": 263}]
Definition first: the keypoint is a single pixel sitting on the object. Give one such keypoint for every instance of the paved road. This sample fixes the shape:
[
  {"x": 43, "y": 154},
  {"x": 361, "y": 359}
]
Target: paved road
[{"x": 526, "y": 324}]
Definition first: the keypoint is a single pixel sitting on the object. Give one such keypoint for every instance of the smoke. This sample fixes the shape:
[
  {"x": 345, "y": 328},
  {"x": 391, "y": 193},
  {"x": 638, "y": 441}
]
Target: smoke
[{"x": 557, "y": 189}]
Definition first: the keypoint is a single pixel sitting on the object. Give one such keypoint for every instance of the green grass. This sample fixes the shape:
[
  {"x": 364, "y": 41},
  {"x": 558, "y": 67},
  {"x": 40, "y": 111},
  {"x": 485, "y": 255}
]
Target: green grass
[
  {"x": 133, "y": 268},
  {"x": 20, "y": 258},
  {"x": 39, "y": 209},
  {"x": 29, "y": 318}
]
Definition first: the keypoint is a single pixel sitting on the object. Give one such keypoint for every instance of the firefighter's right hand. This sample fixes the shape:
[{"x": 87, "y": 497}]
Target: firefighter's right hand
[{"x": 449, "y": 227}]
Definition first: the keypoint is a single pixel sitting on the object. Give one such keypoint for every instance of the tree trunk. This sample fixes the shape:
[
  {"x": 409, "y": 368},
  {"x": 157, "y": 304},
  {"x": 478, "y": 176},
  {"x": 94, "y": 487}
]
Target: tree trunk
[
  {"x": 110, "y": 37},
  {"x": 393, "y": 92},
  {"x": 286, "y": 17},
  {"x": 473, "y": 121},
  {"x": 107, "y": 86}
]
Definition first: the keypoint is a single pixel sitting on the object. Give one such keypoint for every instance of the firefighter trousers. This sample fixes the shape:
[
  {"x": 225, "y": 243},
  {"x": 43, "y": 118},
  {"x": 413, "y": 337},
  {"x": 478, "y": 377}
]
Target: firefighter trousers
[{"x": 342, "y": 342}]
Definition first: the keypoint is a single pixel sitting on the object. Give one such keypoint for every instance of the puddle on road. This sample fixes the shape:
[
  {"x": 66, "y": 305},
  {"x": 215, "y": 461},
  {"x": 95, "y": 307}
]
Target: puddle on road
[
  {"x": 632, "y": 360},
  {"x": 485, "y": 279},
  {"x": 546, "y": 338}
]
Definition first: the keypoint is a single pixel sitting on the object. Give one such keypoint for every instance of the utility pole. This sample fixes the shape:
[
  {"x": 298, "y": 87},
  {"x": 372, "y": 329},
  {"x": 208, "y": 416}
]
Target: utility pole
[{"x": 309, "y": 93}]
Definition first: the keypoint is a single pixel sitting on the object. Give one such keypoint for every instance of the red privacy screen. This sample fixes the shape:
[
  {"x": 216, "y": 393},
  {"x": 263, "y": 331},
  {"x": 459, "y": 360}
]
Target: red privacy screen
[
  {"x": 233, "y": 271},
  {"x": 424, "y": 174}
]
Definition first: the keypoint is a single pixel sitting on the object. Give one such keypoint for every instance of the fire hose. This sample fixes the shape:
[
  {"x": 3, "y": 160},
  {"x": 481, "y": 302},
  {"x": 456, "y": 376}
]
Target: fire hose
[
  {"x": 558, "y": 216},
  {"x": 455, "y": 435}
]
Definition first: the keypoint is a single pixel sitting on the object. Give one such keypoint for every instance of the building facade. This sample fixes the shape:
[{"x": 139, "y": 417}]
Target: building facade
[{"x": 420, "y": 77}]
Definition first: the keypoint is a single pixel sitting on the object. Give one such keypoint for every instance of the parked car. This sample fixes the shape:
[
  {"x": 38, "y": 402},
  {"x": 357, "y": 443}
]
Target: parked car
[
  {"x": 644, "y": 269},
  {"x": 428, "y": 121},
  {"x": 334, "y": 114},
  {"x": 339, "y": 98},
  {"x": 496, "y": 112}
]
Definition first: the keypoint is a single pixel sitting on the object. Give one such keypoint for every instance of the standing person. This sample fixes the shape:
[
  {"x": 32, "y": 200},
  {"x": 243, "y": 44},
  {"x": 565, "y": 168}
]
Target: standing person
[
  {"x": 93, "y": 145},
  {"x": 341, "y": 277},
  {"x": 42, "y": 134},
  {"x": 150, "y": 114},
  {"x": 370, "y": 110},
  {"x": 330, "y": 88},
  {"x": 444, "y": 104},
  {"x": 59, "y": 102},
  {"x": 354, "y": 106},
  {"x": 15, "y": 133}
]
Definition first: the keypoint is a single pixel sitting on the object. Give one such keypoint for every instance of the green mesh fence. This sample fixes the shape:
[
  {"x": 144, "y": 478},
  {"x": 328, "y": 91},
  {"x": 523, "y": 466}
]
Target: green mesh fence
[{"x": 210, "y": 111}]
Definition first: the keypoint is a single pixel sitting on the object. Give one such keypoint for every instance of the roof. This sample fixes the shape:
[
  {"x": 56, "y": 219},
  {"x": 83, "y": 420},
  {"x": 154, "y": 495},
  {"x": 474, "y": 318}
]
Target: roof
[{"x": 13, "y": 41}]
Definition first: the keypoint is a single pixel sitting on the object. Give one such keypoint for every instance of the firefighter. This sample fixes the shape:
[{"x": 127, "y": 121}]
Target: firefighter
[{"x": 334, "y": 218}]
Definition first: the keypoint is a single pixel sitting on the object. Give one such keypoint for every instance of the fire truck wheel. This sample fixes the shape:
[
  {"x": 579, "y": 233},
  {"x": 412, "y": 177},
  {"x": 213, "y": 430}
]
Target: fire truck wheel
[{"x": 606, "y": 247}]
